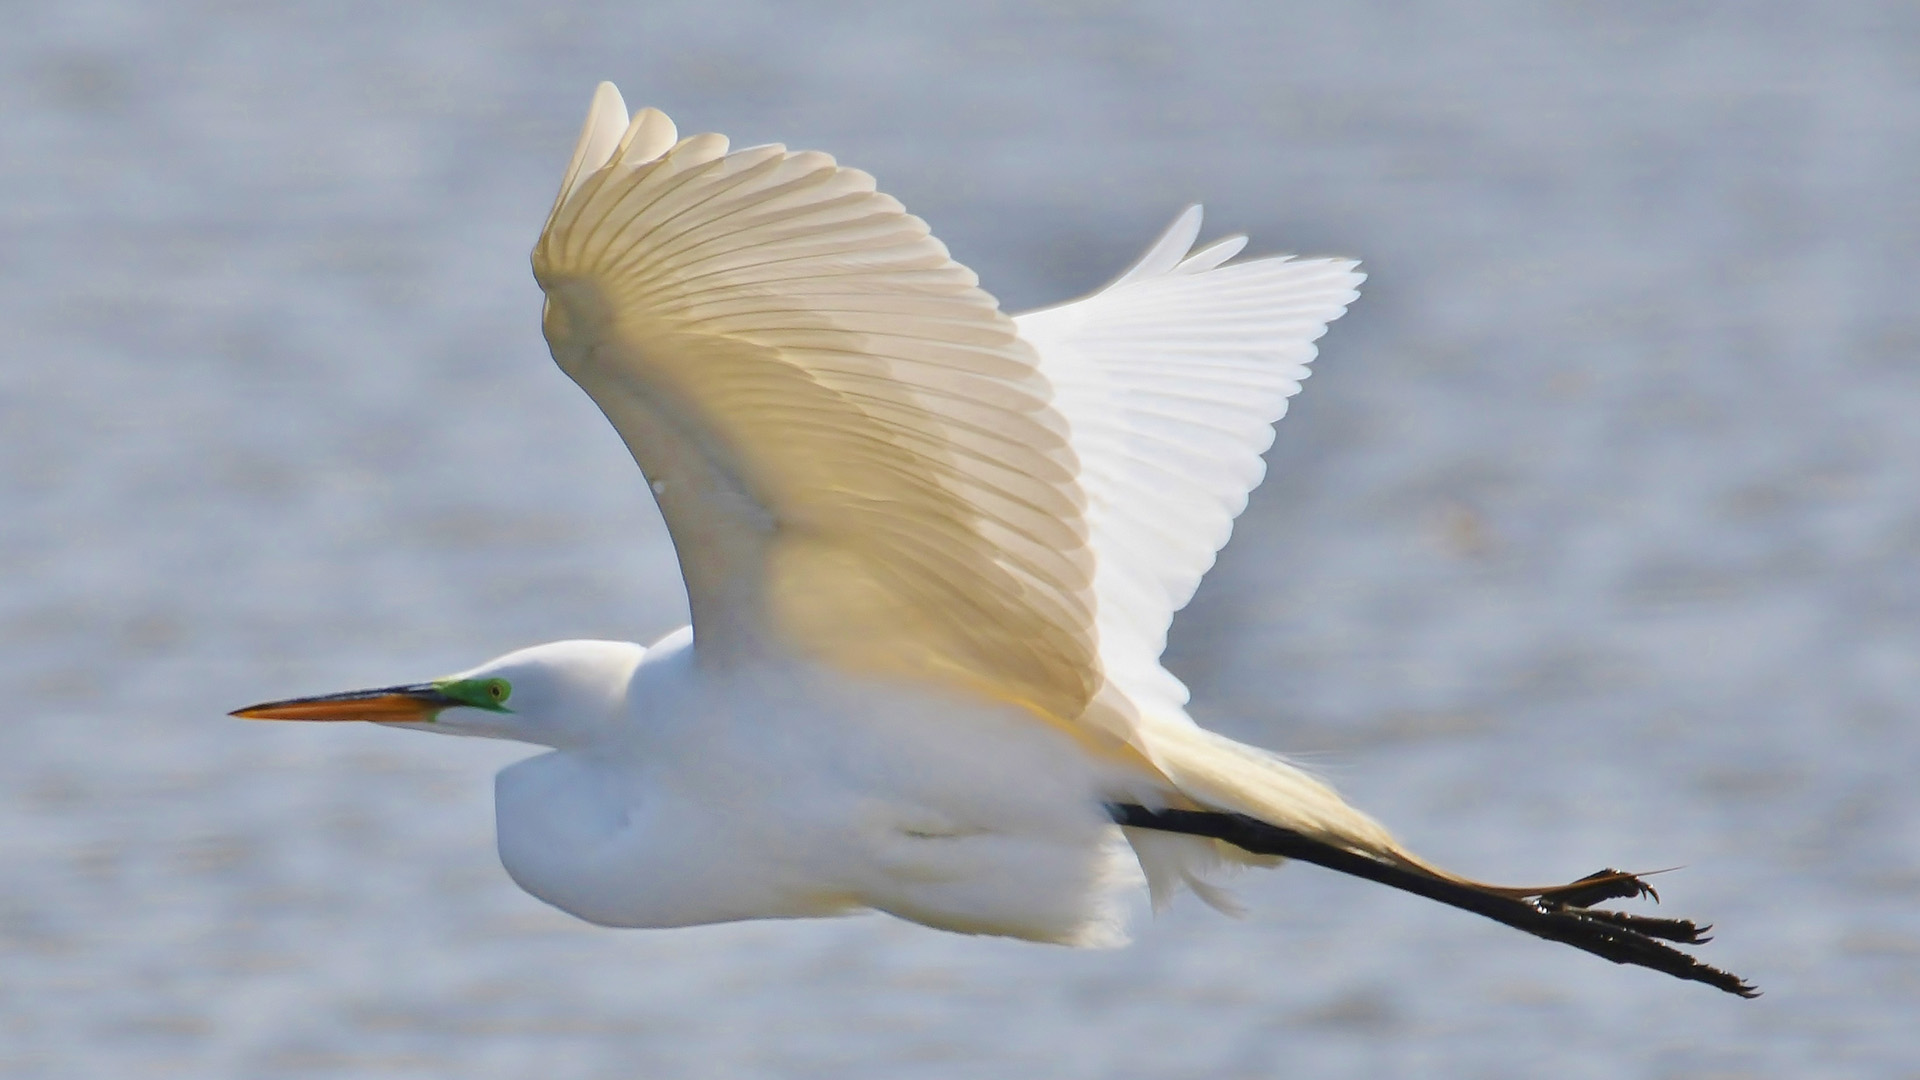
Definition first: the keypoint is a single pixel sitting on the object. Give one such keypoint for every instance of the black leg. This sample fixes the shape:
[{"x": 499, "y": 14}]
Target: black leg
[{"x": 1560, "y": 914}]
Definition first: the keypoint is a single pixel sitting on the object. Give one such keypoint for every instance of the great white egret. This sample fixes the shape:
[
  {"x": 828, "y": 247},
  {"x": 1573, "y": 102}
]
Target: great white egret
[{"x": 931, "y": 554}]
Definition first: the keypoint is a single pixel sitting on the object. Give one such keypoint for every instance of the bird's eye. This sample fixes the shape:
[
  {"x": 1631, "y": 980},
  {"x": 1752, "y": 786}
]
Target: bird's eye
[{"x": 499, "y": 690}]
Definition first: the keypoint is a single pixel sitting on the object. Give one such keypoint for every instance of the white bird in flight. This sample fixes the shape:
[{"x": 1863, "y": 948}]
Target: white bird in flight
[{"x": 931, "y": 553}]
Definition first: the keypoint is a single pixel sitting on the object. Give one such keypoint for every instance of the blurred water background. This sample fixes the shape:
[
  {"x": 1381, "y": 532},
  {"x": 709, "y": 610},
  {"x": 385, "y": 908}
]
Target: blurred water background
[{"x": 1592, "y": 541}]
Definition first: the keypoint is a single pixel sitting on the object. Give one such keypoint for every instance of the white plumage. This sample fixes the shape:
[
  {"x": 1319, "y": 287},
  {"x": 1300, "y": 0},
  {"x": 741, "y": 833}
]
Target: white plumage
[{"x": 931, "y": 554}]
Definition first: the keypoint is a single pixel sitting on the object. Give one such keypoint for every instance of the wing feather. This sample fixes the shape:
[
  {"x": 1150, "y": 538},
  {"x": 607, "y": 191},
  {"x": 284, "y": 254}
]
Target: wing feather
[
  {"x": 854, "y": 450},
  {"x": 1171, "y": 379}
]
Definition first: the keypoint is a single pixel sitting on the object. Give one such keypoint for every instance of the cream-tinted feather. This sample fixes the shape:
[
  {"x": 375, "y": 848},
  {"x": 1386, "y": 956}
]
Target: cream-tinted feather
[{"x": 851, "y": 445}]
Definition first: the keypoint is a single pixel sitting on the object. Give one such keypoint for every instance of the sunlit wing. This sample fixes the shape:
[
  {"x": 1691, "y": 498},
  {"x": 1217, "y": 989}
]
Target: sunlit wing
[{"x": 852, "y": 447}]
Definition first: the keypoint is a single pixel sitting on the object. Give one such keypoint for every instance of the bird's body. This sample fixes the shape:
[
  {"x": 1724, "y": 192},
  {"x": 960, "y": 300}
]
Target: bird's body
[
  {"x": 931, "y": 555},
  {"x": 783, "y": 791}
]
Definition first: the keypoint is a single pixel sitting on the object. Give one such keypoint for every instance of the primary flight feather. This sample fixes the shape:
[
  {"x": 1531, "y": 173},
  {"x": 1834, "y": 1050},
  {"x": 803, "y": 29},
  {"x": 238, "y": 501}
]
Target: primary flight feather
[{"x": 931, "y": 553}]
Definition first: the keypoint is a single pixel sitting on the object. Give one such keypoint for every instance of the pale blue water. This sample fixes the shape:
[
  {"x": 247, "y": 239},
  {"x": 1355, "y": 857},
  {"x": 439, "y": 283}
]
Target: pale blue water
[{"x": 1595, "y": 539}]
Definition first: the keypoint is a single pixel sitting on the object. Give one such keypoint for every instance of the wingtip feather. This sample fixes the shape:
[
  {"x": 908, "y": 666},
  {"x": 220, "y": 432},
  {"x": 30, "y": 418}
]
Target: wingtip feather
[
  {"x": 650, "y": 134},
  {"x": 1211, "y": 256},
  {"x": 605, "y": 126},
  {"x": 1168, "y": 250}
]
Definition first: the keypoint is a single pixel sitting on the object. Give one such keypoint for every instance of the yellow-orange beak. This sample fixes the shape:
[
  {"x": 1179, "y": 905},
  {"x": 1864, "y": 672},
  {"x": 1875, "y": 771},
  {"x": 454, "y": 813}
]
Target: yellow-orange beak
[{"x": 419, "y": 703}]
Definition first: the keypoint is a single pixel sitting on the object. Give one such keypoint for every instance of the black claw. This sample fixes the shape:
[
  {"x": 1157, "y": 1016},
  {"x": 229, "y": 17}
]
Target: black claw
[
  {"x": 1601, "y": 886},
  {"x": 1562, "y": 915}
]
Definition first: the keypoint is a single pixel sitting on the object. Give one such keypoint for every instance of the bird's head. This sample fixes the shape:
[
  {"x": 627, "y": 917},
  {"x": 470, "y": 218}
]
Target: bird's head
[{"x": 550, "y": 695}]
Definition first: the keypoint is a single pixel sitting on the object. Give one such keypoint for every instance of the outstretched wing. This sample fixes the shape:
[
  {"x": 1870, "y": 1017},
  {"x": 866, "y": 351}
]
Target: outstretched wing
[
  {"x": 852, "y": 447},
  {"x": 1171, "y": 379}
]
